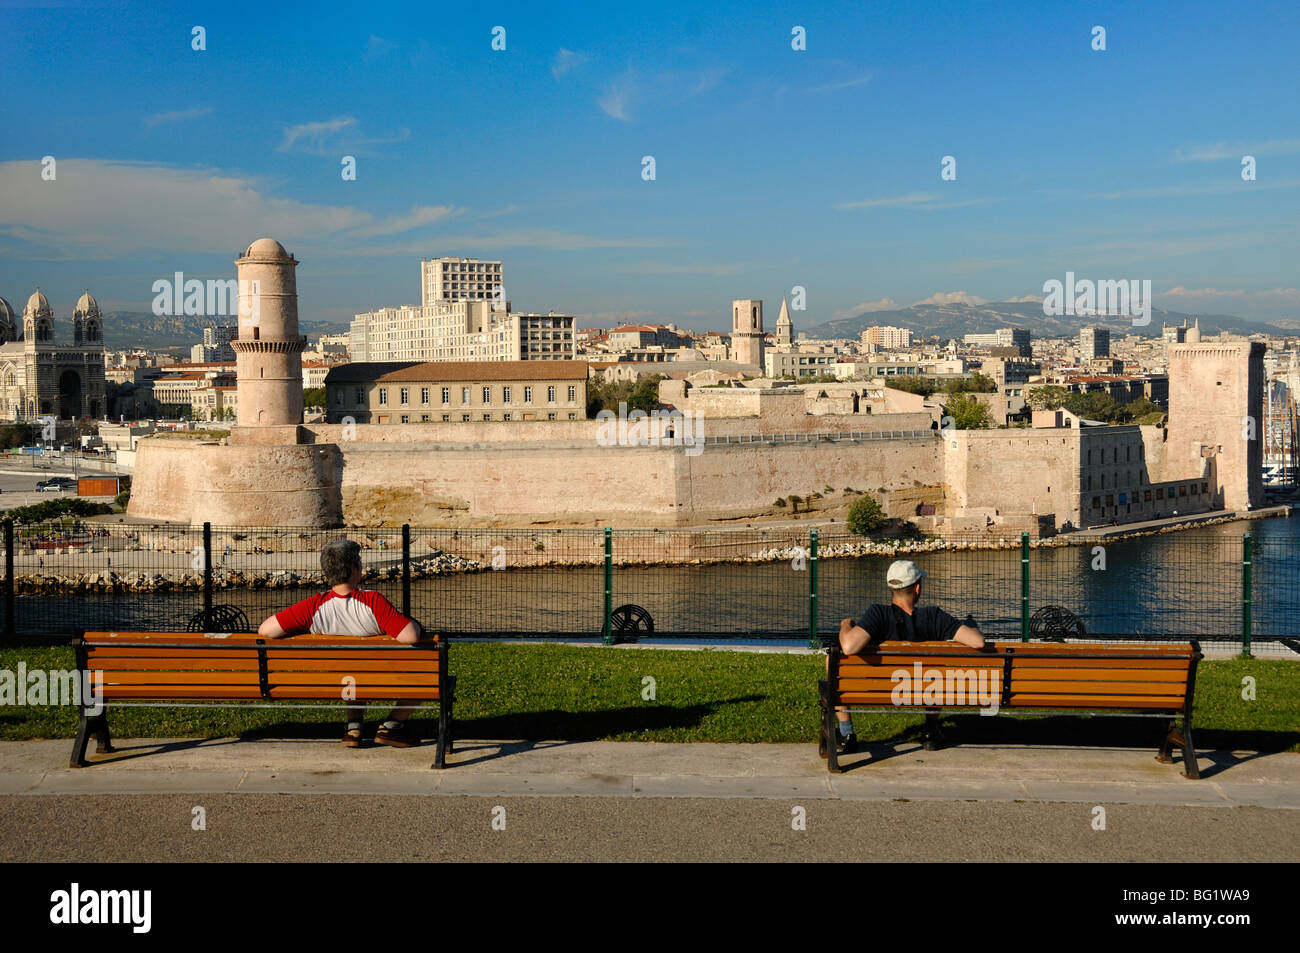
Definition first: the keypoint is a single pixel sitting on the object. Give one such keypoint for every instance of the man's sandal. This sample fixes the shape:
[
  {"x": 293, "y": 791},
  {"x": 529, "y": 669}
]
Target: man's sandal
[{"x": 352, "y": 738}]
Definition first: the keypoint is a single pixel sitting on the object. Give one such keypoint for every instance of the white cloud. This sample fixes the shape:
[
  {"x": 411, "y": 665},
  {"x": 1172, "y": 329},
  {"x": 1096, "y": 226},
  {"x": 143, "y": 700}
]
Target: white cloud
[
  {"x": 314, "y": 133},
  {"x": 616, "y": 100},
  {"x": 844, "y": 84},
  {"x": 1220, "y": 151},
  {"x": 926, "y": 201},
  {"x": 951, "y": 297},
  {"x": 105, "y": 210},
  {"x": 334, "y": 136},
  {"x": 1025, "y": 299},
  {"x": 882, "y": 304},
  {"x": 1238, "y": 294},
  {"x": 178, "y": 115},
  {"x": 566, "y": 61}
]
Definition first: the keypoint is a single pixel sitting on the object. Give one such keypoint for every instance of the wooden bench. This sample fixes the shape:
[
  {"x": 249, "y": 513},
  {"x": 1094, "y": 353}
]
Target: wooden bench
[
  {"x": 1144, "y": 680},
  {"x": 165, "y": 669}
]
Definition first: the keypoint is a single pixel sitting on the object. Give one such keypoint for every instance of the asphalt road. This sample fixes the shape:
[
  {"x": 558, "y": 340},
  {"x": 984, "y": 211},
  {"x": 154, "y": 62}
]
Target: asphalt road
[{"x": 332, "y": 828}]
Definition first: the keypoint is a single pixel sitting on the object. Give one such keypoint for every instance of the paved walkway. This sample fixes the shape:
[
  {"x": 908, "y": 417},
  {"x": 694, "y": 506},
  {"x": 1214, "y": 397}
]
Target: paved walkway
[{"x": 642, "y": 770}]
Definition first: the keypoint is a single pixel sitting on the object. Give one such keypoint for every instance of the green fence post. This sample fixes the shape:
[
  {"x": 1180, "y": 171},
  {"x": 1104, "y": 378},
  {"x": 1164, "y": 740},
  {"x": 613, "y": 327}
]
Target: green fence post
[
  {"x": 207, "y": 573},
  {"x": 813, "y": 641},
  {"x": 1024, "y": 587},
  {"x": 1245, "y": 594},
  {"x": 406, "y": 570},
  {"x": 9, "y": 577},
  {"x": 605, "y": 635}
]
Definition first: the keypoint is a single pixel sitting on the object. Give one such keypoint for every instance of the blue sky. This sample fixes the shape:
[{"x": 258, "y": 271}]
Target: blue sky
[{"x": 774, "y": 167}]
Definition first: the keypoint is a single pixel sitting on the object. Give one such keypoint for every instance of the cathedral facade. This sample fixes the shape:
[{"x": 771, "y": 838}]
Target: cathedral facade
[{"x": 42, "y": 378}]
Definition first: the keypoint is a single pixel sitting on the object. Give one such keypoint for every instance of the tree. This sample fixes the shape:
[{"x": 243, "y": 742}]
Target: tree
[
  {"x": 866, "y": 516},
  {"x": 968, "y": 412},
  {"x": 1049, "y": 397},
  {"x": 912, "y": 383},
  {"x": 641, "y": 394},
  {"x": 977, "y": 383},
  {"x": 313, "y": 397}
]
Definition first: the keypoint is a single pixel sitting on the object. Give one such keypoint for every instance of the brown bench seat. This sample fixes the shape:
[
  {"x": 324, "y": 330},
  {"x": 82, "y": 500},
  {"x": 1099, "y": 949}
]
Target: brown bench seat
[
  {"x": 1145, "y": 680},
  {"x": 148, "y": 669}
]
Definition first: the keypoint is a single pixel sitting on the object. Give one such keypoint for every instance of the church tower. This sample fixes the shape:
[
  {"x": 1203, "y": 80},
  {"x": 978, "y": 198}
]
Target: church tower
[
  {"x": 268, "y": 351},
  {"x": 747, "y": 332},
  {"x": 784, "y": 327}
]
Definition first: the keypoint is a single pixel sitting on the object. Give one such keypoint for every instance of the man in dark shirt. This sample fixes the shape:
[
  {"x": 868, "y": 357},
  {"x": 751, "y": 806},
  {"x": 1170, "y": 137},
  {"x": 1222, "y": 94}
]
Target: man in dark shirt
[{"x": 902, "y": 620}]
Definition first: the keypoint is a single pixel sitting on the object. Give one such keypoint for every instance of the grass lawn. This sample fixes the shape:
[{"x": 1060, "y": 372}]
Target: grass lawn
[{"x": 537, "y": 692}]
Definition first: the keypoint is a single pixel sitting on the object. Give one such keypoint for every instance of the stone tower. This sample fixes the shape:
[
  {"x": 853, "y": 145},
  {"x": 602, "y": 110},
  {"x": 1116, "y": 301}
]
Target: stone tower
[
  {"x": 747, "y": 332},
  {"x": 784, "y": 327},
  {"x": 268, "y": 351},
  {"x": 1216, "y": 406}
]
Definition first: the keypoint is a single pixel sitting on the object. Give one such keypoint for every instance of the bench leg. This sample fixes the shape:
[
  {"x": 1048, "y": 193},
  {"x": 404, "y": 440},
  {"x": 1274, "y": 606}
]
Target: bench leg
[
  {"x": 78, "y": 759},
  {"x": 104, "y": 743},
  {"x": 1190, "y": 770},
  {"x": 1165, "y": 754},
  {"x": 934, "y": 739},
  {"x": 823, "y": 728}
]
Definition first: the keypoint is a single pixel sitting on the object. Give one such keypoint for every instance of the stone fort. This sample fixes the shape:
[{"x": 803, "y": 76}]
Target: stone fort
[{"x": 275, "y": 471}]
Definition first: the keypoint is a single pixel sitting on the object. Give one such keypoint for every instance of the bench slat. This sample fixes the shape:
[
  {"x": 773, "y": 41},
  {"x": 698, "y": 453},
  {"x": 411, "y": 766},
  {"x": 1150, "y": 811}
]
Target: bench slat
[
  {"x": 1172, "y": 689},
  {"x": 1032, "y": 700}
]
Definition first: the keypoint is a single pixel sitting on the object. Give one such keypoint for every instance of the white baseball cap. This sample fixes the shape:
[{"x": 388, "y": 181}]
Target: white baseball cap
[{"x": 903, "y": 573}]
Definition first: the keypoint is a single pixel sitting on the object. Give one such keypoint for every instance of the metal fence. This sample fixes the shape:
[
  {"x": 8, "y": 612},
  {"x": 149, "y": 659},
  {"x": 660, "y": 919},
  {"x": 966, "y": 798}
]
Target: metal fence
[{"x": 784, "y": 583}]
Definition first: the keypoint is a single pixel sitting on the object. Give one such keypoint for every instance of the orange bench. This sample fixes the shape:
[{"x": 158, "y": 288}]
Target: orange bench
[
  {"x": 1144, "y": 680},
  {"x": 164, "y": 669}
]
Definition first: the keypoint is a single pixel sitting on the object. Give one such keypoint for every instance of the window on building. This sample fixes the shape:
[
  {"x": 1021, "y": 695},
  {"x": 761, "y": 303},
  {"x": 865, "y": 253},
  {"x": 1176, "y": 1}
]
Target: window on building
[
  {"x": 573, "y": 395},
  {"x": 1160, "y": 493},
  {"x": 505, "y": 416},
  {"x": 1110, "y": 500},
  {"x": 1146, "y": 497},
  {"x": 406, "y": 419},
  {"x": 487, "y": 416},
  {"x": 383, "y": 395},
  {"x": 359, "y": 396},
  {"x": 406, "y": 395},
  {"x": 505, "y": 395},
  {"x": 464, "y": 396},
  {"x": 1182, "y": 490},
  {"x": 528, "y": 395},
  {"x": 573, "y": 416},
  {"x": 338, "y": 398},
  {"x": 424, "y": 395},
  {"x": 487, "y": 395},
  {"x": 550, "y": 394},
  {"x": 550, "y": 416},
  {"x": 464, "y": 418}
]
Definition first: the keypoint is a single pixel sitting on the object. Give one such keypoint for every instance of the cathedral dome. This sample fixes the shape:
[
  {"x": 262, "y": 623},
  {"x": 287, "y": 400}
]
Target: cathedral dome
[
  {"x": 266, "y": 248},
  {"x": 6, "y": 312},
  {"x": 38, "y": 303},
  {"x": 87, "y": 305}
]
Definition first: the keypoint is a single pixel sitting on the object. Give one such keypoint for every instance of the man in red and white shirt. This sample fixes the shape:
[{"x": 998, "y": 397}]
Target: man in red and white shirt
[{"x": 348, "y": 610}]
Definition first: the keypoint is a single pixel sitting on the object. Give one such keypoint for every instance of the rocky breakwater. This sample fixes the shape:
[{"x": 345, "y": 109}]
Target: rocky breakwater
[{"x": 46, "y": 582}]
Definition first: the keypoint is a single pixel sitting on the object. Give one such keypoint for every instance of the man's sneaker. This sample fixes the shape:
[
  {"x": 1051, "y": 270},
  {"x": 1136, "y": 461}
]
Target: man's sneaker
[
  {"x": 352, "y": 738},
  {"x": 846, "y": 744},
  {"x": 399, "y": 737}
]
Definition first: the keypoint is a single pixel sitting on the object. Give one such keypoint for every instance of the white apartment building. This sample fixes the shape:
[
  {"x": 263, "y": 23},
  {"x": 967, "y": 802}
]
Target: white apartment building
[
  {"x": 887, "y": 337},
  {"x": 459, "y": 320},
  {"x": 460, "y": 279}
]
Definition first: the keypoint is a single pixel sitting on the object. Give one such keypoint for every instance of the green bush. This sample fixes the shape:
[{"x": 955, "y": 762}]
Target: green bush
[
  {"x": 54, "y": 509},
  {"x": 866, "y": 516}
]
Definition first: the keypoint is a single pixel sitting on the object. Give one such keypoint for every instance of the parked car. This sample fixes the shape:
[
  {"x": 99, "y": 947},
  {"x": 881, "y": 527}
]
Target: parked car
[{"x": 50, "y": 486}]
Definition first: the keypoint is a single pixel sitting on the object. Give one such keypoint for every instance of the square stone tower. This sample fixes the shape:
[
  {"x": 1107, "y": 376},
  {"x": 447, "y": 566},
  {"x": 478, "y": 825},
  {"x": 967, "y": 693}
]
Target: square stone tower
[
  {"x": 1216, "y": 406},
  {"x": 747, "y": 332}
]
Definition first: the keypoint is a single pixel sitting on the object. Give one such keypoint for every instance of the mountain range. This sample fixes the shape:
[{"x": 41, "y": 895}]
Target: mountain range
[
  {"x": 955, "y": 320},
  {"x": 128, "y": 329}
]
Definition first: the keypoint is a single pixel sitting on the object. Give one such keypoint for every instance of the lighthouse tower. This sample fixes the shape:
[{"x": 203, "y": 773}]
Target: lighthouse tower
[{"x": 268, "y": 351}]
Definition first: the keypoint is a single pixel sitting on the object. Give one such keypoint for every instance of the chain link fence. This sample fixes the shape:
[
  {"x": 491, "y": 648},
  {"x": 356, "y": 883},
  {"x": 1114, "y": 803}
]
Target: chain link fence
[{"x": 775, "y": 583}]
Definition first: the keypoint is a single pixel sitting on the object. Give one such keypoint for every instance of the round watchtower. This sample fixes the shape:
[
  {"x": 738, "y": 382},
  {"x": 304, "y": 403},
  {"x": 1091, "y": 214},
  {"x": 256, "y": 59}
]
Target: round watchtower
[{"x": 268, "y": 351}]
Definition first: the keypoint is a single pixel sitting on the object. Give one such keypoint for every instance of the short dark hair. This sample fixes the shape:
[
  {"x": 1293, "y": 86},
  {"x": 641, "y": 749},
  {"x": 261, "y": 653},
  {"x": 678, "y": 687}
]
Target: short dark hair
[{"x": 338, "y": 559}]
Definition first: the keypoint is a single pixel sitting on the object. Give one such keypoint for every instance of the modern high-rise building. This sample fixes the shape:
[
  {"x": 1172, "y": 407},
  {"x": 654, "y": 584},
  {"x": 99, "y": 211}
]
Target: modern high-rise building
[
  {"x": 461, "y": 279},
  {"x": 1002, "y": 337},
  {"x": 1094, "y": 343}
]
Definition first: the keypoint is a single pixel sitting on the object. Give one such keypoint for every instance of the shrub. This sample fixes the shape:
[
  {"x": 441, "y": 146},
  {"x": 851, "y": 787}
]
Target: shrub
[
  {"x": 780, "y": 501},
  {"x": 865, "y": 516}
]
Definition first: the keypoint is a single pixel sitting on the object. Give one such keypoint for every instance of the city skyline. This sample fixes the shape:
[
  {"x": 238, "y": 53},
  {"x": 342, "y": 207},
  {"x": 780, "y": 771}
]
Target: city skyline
[{"x": 774, "y": 166}]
